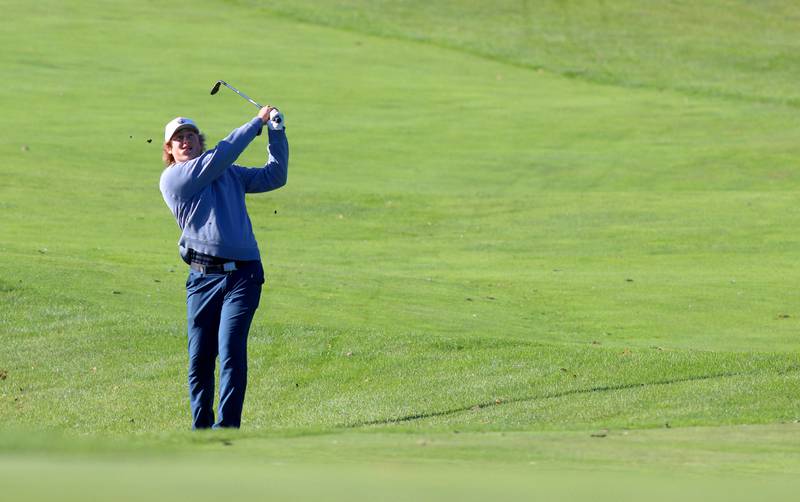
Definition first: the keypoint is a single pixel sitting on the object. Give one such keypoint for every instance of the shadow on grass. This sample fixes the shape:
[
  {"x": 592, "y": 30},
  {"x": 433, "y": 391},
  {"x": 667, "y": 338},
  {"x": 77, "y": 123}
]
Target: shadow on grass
[{"x": 605, "y": 388}]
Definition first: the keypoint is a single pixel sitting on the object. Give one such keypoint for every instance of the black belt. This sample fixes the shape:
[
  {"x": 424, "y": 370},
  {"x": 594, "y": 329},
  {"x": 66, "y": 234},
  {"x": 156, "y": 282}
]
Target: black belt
[{"x": 223, "y": 268}]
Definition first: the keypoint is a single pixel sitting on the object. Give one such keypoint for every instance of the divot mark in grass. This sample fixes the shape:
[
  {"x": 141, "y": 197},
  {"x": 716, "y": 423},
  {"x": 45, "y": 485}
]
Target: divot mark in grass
[{"x": 3, "y": 374}]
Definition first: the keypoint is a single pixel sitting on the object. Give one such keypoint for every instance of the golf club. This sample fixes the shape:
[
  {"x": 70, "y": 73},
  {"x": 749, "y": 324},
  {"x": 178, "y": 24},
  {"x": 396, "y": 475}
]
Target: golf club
[{"x": 215, "y": 90}]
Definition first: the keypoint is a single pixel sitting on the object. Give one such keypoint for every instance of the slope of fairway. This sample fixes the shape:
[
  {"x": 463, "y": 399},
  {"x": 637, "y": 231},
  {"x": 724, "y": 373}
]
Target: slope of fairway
[
  {"x": 734, "y": 49},
  {"x": 465, "y": 244}
]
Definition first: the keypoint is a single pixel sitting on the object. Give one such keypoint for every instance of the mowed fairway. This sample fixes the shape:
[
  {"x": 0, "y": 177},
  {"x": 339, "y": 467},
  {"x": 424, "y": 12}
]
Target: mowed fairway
[{"x": 571, "y": 246}]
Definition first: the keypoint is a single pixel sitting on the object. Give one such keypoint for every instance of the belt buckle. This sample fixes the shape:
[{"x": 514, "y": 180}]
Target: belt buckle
[{"x": 229, "y": 266}]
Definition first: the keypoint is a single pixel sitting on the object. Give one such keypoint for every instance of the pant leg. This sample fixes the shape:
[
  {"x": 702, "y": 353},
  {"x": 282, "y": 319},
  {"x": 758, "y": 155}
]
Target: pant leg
[
  {"x": 204, "y": 297},
  {"x": 241, "y": 302}
]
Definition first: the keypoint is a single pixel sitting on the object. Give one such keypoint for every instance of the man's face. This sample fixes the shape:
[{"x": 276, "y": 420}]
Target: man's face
[{"x": 185, "y": 145}]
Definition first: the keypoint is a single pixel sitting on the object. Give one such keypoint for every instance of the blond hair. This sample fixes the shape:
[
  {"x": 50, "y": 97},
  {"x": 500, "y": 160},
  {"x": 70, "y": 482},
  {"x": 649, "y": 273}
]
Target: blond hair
[{"x": 166, "y": 154}]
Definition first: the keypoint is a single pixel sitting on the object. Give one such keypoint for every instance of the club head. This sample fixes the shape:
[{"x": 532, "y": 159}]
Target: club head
[{"x": 215, "y": 89}]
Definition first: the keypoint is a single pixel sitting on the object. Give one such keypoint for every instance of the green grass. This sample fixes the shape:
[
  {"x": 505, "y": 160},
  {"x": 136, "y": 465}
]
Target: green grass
[
  {"x": 565, "y": 237},
  {"x": 723, "y": 48}
]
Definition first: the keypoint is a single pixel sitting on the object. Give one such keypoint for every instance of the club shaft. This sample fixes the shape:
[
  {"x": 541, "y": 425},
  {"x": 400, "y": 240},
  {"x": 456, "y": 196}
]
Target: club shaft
[{"x": 245, "y": 96}]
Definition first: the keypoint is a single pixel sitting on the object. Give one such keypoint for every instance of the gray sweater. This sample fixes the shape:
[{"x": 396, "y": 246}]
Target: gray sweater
[{"x": 206, "y": 194}]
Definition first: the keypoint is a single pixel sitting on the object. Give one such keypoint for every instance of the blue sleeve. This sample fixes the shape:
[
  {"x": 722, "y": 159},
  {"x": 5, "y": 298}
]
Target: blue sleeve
[
  {"x": 184, "y": 179},
  {"x": 274, "y": 173}
]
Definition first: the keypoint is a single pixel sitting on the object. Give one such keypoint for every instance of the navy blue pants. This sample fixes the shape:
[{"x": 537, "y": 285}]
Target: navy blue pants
[{"x": 220, "y": 308}]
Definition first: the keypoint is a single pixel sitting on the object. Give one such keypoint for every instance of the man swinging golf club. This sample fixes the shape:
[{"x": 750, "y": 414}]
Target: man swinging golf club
[{"x": 205, "y": 191}]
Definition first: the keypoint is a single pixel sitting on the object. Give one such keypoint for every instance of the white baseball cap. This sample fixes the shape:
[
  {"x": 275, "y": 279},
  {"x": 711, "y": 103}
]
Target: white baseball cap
[{"x": 178, "y": 123}]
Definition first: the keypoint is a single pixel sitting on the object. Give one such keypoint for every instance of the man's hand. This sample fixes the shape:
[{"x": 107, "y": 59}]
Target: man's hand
[
  {"x": 264, "y": 113},
  {"x": 272, "y": 117}
]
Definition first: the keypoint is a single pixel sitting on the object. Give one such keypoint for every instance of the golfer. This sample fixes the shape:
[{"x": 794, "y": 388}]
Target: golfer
[{"x": 205, "y": 191}]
